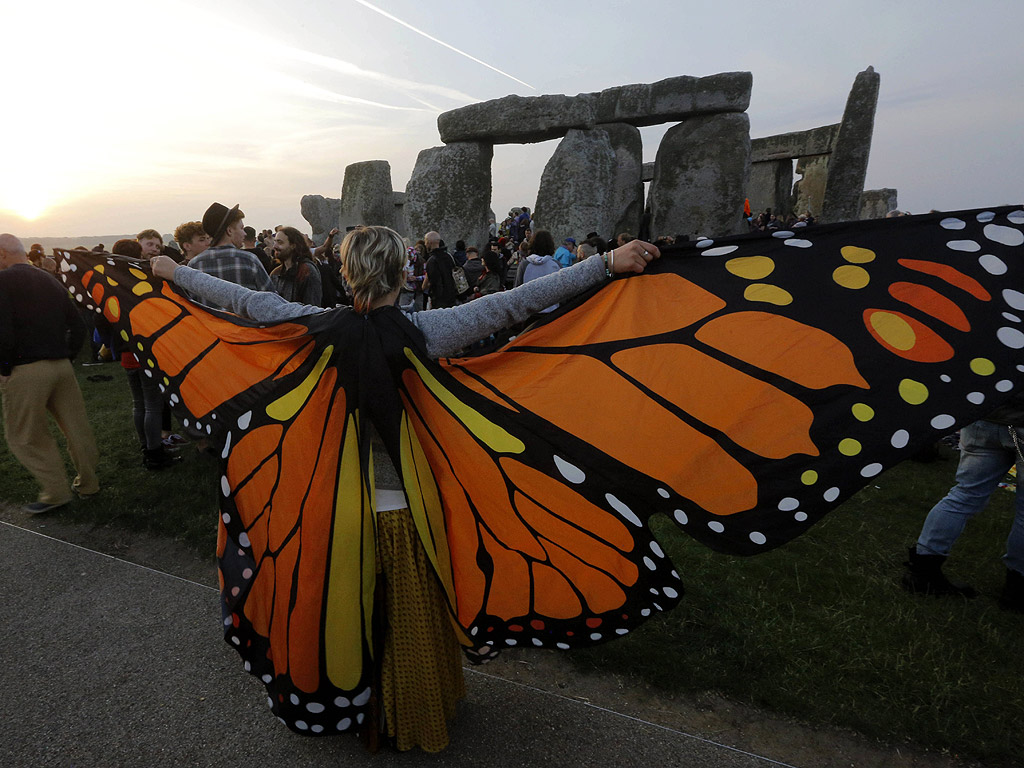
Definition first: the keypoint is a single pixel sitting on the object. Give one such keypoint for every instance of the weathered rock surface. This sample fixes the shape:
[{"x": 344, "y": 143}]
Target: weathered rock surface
[
  {"x": 401, "y": 224},
  {"x": 526, "y": 119},
  {"x": 575, "y": 195},
  {"x": 627, "y": 192},
  {"x": 647, "y": 173},
  {"x": 876, "y": 203},
  {"x": 809, "y": 190},
  {"x": 771, "y": 186},
  {"x": 700, "y": 177},
  {"x": 674, "y": 98},
  {"x": 518, "y": 119},
  {"x": 322, "y": 213},
  {"x": 450, "y": 191},
  {"x": 790, "y": 146},
  {"x": 367, "y": 196},
  {"x": 848, "y": 167}
]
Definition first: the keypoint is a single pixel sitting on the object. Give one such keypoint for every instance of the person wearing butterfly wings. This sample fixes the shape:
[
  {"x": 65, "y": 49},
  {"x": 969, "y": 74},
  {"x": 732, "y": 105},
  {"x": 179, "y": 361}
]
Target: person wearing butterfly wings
[{"x": 417, "y": 674}]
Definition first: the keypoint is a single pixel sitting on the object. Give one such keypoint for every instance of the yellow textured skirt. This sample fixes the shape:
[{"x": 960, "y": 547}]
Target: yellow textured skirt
[{"x": 421, "y": 671}]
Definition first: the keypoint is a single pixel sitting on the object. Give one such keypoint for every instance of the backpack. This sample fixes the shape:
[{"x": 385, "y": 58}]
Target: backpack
[{"x": 461, "y": 283}]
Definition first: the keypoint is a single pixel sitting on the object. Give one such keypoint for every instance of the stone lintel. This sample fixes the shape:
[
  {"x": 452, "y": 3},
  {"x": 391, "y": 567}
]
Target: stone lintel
[
  {"x": 529, "y": 119},
  {"x": 790, "y": 146}
]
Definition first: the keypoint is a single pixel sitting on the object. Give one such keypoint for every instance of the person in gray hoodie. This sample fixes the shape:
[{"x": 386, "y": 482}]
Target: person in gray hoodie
[{"x": 540, "y": 262}]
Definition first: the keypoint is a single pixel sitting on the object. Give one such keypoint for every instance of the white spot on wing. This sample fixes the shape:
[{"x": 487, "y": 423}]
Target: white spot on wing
[
  {"x": 967, "y": 246},
  {"x": 570, "y": 472},
  {"x": 623, "y": 510}
]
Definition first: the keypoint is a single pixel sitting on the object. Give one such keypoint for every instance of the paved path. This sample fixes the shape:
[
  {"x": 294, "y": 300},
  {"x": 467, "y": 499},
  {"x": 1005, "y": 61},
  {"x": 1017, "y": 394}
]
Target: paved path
[{"x": 104, "y": 663}]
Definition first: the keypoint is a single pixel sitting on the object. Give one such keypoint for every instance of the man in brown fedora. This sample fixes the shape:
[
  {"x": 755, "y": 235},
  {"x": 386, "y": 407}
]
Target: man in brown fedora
[{"x": 225, "y": 258}]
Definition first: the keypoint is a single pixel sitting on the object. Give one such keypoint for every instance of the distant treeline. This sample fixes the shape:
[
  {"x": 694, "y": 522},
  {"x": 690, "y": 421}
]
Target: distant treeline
[{"x": 89, "y": 241}]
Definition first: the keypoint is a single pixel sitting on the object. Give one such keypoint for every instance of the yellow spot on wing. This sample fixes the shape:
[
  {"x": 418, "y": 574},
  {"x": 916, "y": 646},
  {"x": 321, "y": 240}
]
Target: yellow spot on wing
[
  {"x": 496, "y": 438},
  {"x": 849, "y": 447},
  {"x": 286, "y": 406},
  {"x": 425, "y": 505},
  {"x": 352, "y": 575},
  {"x": 851, "y": 277},
  {"x": 810, "y": 477},
  {"x": 140, "y": 289},
  {"x": 982, "y": 366},
  {"x": 770, "y": 294},
  {"x": 913, "y": 392},
  {"x": 138, "y": 273},
  {"x": 751, "y": 267},
  {"x": 863, "y": 412},
  {"x": 856, "y": 255},
  {"x": 894, "y": 330}
]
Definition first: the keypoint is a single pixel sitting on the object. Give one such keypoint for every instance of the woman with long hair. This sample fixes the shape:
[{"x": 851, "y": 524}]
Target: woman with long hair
[
  {"x": 297, "y": 278},
  {"x": 419, "y": 669}
]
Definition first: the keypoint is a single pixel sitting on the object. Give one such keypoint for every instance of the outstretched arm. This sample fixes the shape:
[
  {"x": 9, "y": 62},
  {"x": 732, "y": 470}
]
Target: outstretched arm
[
  {"x": 261, "y": 306},
  {"x": 449, "y": 330}
]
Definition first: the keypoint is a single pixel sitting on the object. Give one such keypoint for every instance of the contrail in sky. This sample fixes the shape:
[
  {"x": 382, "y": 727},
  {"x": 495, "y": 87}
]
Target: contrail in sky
[{"x": 387, "y": 15}]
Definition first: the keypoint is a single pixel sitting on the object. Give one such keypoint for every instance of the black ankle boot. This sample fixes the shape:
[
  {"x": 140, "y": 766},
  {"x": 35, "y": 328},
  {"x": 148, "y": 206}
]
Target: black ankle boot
[
  {"x": 925, "y": 576},
  {"x": 1012, "y": 596},
  {"x": 158, "y": 458}
]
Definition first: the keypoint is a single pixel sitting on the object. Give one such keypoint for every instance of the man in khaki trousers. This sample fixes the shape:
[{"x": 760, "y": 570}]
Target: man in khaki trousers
[{"x": 40, "y": 331}]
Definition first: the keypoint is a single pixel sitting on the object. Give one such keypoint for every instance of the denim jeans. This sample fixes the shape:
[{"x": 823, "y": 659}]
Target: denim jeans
[
  {"x": 987, "y": 452},
  {"x": 147, "y": 407}
]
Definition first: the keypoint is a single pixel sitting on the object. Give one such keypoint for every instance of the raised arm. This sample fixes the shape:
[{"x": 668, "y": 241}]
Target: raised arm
[
  {"x": 261, "y": 306},
  {"x": 449, "y": 330}
]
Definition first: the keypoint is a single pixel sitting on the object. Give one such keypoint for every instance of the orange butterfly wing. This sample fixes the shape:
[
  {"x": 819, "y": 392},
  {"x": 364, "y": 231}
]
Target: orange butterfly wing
[{"x": 295, "y": 504}]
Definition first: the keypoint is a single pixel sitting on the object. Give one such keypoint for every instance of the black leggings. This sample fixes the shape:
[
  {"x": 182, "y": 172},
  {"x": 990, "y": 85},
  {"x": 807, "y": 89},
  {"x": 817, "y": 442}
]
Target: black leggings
[{"x": 147, "y": 407}]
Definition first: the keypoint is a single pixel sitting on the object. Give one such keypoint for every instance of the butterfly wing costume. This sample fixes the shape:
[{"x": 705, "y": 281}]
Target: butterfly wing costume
[{"x": 743, "y": 387}]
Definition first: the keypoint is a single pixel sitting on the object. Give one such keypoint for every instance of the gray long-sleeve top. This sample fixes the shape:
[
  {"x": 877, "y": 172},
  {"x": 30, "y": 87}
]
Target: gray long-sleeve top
[{"x": 446, "y": 330}]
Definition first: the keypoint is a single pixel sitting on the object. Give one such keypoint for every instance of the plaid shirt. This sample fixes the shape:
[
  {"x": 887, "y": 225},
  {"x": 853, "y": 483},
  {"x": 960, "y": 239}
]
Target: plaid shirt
[{"x": 235, "y": 266}]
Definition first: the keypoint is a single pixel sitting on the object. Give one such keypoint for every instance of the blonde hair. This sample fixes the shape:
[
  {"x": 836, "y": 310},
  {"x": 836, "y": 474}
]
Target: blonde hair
[{"x": 372, "y": 260}]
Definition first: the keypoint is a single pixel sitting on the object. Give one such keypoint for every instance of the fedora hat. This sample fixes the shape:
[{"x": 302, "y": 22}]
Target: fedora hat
[{"x": 215, "y": 220}]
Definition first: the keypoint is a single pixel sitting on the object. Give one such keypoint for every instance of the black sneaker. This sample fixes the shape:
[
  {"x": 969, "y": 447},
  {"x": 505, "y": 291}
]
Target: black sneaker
[
  {"x": 41, "y": 507},
  {"x": 159, "y": 458}
]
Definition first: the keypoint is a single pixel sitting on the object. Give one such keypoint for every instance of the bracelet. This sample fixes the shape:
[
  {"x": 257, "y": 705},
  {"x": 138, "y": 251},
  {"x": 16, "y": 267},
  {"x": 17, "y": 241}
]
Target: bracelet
[
  {"x": 611, "y": 263},
  {"x": 607, "y": 266}
]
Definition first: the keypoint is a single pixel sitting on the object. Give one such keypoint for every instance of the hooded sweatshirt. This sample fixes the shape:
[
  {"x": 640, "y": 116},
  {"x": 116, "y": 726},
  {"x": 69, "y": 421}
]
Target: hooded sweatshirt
[{"x": 533, "y": 267}]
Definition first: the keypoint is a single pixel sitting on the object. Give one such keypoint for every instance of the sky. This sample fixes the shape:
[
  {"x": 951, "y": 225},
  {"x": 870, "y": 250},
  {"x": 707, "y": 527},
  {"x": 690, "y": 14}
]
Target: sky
[{"x": 124, "y": 115}]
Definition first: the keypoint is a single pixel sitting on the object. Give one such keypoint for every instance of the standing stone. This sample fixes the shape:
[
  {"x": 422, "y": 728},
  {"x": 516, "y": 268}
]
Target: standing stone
[
  {"x": 771, "y": 186},
  {"x": 576, "y": 189},
  {"x": 401, "y": 225},
  {"x": 322, "y": 213},
  {"x": 367, "y": 196},
  {"x": 876, "y": 203},
  {"x": 849, "y": 164},
  {"x": 627, "y": 199},
  {"x": 450, "y": 192},
  {"x": 809, "y": 191},
  {"x": 700, "y": 177}
]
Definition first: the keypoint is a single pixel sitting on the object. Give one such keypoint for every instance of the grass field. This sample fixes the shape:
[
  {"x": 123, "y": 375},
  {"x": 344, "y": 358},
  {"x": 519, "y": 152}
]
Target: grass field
[{"x": 818, "y": 629}]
